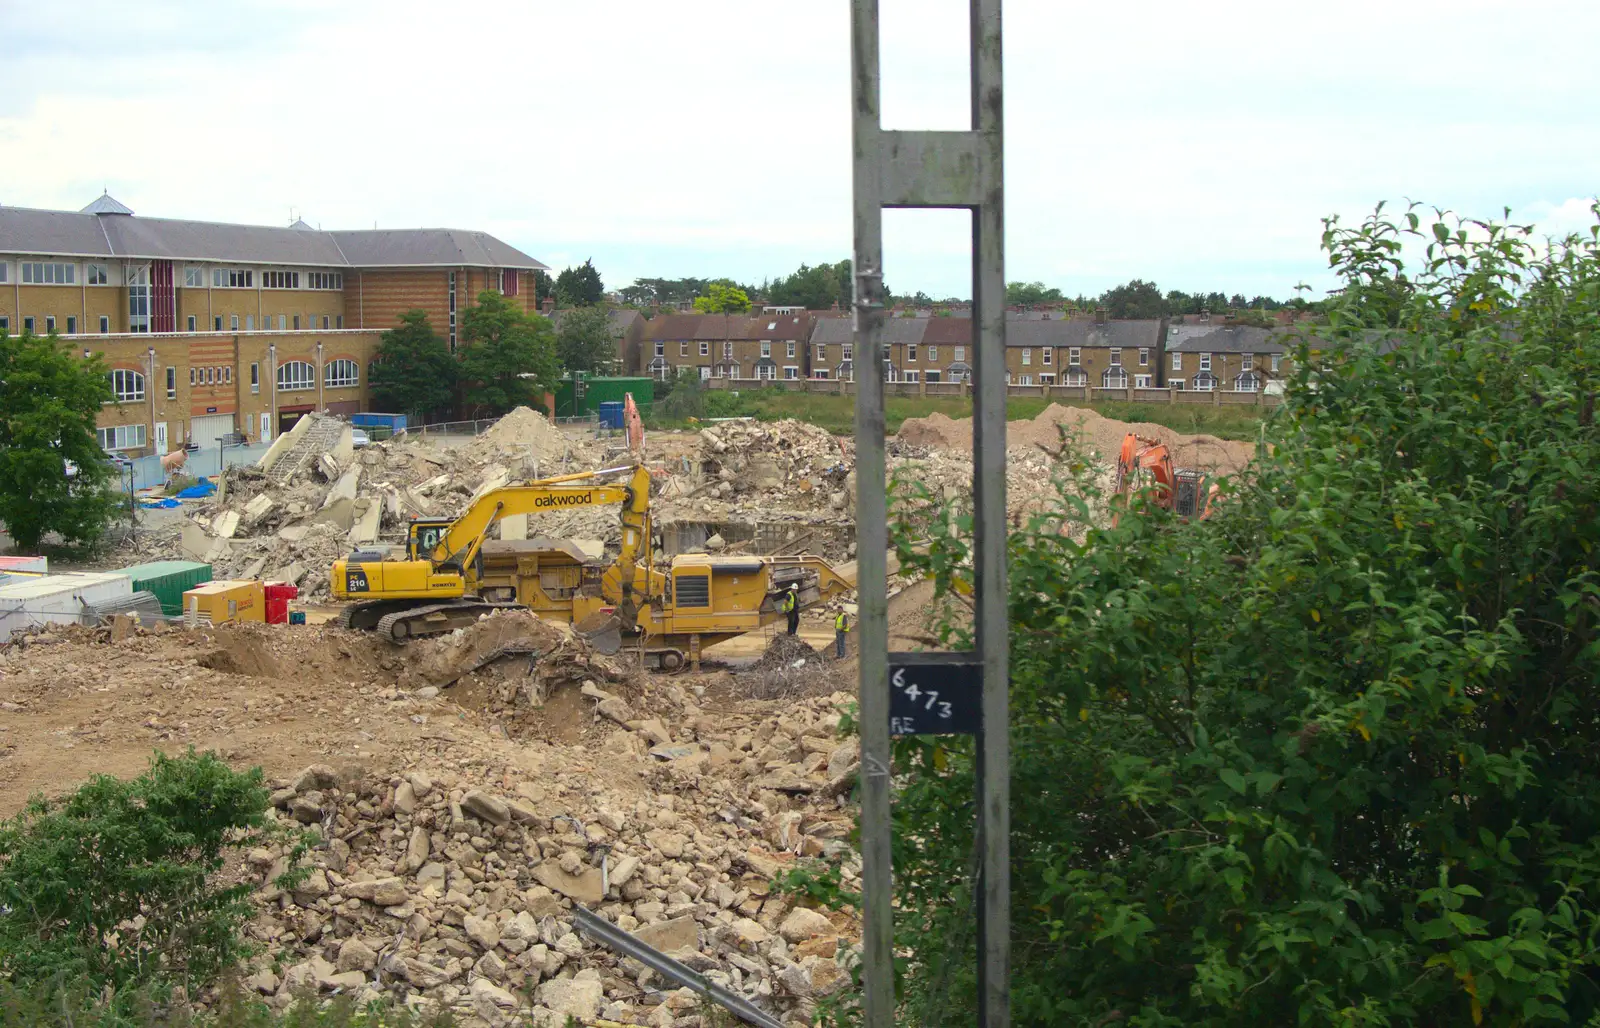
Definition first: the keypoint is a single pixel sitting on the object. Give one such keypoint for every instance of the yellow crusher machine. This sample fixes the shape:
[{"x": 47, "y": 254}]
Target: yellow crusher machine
[{"x": 453, "y": 573}]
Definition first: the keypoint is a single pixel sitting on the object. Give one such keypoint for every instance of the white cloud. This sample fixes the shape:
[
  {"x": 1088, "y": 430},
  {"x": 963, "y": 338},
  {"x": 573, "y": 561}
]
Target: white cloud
[{"x": 1196, "y": 145}]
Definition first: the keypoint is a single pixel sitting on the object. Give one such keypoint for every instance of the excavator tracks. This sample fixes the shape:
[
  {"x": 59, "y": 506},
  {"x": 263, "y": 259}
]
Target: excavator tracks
[{"x": 435, "y": 618}]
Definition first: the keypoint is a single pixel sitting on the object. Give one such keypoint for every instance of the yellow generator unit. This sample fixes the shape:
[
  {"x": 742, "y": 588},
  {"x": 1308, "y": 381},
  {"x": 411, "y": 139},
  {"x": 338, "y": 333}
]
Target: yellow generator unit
[{"x": 216, "y": 603}]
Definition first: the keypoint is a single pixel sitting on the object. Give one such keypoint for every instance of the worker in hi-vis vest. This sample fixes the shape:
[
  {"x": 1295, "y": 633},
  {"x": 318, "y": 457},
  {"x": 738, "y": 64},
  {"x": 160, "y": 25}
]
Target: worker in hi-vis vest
[
  {"x": 791, "y": 607},
  {"x": 841, "y": 628}
]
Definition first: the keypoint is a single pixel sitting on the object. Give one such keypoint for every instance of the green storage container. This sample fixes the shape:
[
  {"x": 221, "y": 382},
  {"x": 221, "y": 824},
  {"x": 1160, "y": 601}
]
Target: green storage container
[
  {"x": 169, "y": 580},
  {"x": 607, "y": 390}
]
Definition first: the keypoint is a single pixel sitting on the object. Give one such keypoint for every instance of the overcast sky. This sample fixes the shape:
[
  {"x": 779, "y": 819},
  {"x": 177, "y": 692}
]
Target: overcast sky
[{"x": 1197, "y": 145}]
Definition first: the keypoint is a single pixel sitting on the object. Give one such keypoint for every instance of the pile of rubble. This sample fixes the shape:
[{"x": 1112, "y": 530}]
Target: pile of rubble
[
  {"x": 318, "y": 498},
  {"x": 749, "y": 466},
  {"x": 434, "y": 889}
]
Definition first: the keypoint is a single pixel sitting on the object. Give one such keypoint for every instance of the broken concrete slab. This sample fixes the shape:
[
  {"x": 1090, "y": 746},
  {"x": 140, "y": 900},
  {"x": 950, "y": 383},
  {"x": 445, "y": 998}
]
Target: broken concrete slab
[
  {"x": 226, "y": 524},
  {"x": 368, "y": 516},
  {"x": 346, "y": 488},
  {"x": 258, "y": 508}
]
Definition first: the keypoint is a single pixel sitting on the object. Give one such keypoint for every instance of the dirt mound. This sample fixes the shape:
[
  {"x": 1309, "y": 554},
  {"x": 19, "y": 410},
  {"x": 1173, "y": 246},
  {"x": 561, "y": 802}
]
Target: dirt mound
[{"x": 1099, "y": 433}]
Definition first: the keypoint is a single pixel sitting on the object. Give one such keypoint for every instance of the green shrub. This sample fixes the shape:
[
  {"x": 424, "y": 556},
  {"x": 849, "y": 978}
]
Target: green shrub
[
  {"x": 114, "y": 885},
  {"x": 1331, "y": 757}
]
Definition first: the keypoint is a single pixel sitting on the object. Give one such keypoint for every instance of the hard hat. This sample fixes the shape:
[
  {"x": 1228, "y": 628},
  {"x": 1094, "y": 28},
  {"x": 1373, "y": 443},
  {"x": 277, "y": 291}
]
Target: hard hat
[{"x": 794, "y": 586}]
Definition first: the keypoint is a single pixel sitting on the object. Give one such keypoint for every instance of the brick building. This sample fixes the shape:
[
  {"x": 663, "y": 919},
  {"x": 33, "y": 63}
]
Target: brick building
[
  {"x": 210, "y": 328},
  {"x": 1205, "y": 355},
  {"x": 766, "y": 347}
]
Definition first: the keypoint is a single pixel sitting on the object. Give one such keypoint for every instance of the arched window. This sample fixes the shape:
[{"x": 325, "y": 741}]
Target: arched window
[
  {"x": 1114, "y": 378},
  {"x": 126, "y": 385},
  {"x": 341, "y": 373},
  {"x": 296, "y": 375}
]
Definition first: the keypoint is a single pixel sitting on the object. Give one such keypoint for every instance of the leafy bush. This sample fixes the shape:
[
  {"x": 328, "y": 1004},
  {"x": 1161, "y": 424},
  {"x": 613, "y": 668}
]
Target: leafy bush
[
  {"x": 57, "y": 1005},
  {"x": 1333, "y": 755},
  {"x": 114, "y": 885}
]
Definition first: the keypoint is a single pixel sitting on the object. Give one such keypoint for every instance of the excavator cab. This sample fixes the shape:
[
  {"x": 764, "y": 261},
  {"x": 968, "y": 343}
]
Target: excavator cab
[{"x": 423, "y": 535}]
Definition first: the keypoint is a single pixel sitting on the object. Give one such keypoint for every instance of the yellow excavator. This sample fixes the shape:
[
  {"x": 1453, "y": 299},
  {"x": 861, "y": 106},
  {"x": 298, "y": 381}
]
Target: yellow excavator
[{"x": 452, "y": 574}]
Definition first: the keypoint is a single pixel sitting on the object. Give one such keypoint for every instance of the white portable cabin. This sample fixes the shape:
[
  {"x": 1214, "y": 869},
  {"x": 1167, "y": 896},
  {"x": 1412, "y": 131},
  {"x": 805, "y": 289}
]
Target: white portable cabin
[{"x": 57, "y": 598}]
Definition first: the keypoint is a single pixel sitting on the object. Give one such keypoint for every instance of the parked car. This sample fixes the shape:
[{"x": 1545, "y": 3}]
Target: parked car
[{"x": 358, "y": 438}]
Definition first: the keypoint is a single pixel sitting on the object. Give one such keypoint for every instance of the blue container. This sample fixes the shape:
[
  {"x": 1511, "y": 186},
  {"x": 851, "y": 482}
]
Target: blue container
[
  {"x": 611, "y": 414},
  {"x": 297, "y": 617},
  {"x": 393, "y": 422}
]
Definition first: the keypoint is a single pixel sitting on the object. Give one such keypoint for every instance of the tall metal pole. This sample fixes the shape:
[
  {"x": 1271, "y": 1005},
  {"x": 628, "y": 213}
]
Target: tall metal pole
[
  {"x": 872, "y": 529},
  {"x": 953, "y": 170}
]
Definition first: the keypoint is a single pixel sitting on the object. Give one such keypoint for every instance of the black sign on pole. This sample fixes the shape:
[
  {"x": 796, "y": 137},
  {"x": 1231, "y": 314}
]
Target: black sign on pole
[{"x": 935, "y": 694}]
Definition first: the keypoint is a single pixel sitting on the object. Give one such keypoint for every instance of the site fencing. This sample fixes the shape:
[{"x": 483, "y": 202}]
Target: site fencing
[{"x": 1088, "y": 393}]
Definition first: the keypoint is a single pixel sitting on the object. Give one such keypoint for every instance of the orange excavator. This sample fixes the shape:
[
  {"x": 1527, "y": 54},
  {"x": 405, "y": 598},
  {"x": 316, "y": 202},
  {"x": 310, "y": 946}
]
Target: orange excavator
[{"x": 1185, "y": 491}]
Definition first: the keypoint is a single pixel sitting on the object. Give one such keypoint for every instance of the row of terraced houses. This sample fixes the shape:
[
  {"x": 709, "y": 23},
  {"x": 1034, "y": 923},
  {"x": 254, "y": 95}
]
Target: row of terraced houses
[
  {"x": 1043, "y": 348},
  {"x": 211, "y": 329}
]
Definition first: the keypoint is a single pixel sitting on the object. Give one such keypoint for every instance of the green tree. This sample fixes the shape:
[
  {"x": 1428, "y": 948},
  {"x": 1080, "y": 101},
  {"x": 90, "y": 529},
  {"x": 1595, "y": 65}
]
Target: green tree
[
  {"x": 815, "y": 288},
  {"x": 508, "y": 356},
  {"x": 1031, "y": 293},
  {"x": 585, "y": 341},
  {"x": 49, "y": 403},
  {"x": 722, "y": 299},
  {"x": 1136, "y": 299},
  {"x": 580, "y": 286},
  {"x": 1331, "y": 756},
  {"x": 414, "y": 372},
  {"x": 543, "y": 286},
  {"x": 117, "y": 885}
]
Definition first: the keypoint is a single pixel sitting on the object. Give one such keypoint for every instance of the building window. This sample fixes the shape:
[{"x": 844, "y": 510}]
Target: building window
[
  {"x": 1141, "y": 381},
  {"x": 1204, "y": 382},
  {"x": 227, "y": 374},
  {"x": 27, "y": 324},
  {"x": 233, "y": 278},
  {"x": 1074, "y": 356},
  {"x": 194, "y": 278},
  {"x": 255, "y": 378},
  {"x": 72, "y": 325},
  {"x": 126, "y": 386},
  {"x": 727, "y": 350},
  {"x": 847, "y": 351},
  {"x": 172, "y": 383},
  {"x": 661, "y": 347},
  {"x": 280, "y": 280},
  {"x": 1205, "y": 362},
  {"x": 249, "y": 322},
  {"x": 1116, "y": 357},
  {"x": 1026, "y": 380},
  {"x": 791, "y": 349},
  {"x": 705, "y": 349},
  {"x": 933, "y": 353},
  {"x": 912, "y": 375},
  {"x": 297, "y": 322},
  {"x": 1177, "y": 361},
  {"x": 121, "y": 437},
  {"x": 452, "y": 312},
  {"x": 1045, "y": 353},
  {"x": 325, "y": 279},
  {"x": 911, "y": 351},
  {"x": 192, "y": 323},
  {"x": 217, "y": 323},
  {"x": 1114, "y": 377},
  {"x": 5, "y": 323},
  {"x": 297, "y": 375},
  {"x": 1176, "y": 383},
  {"x": 49, "y": 323},
  {"x": 95, "y": 274},
  {"x": 1246, "y": 382},
  {"x": 1144, "y": 356},
  {"x": 961, "y": 354},
  {"x": 766, "y": 348},
  {"x": 341, "y": 373},
  {"x": 1076, "y": 378},
  {"x": 791, "y": 372},
  {"x": 5, "y": 270},
  {"x": 1247, "y": 362},
  {"x": 1027, "y": 359},
  {"x": 683, "y": 348},
  {"x": 1045, "y": 380},
  {"x": 191, "y": 378},
  {"x": 338, "y": 322},
  {"x": 233, "y": 322},
  {"x": 47, "y": 274},
  {"x": 1276, "y": 358},
  {"x": 324, "y": 322}
]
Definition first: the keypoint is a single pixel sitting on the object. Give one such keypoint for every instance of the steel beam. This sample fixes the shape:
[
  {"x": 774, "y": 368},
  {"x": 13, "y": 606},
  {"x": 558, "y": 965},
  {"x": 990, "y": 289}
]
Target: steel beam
[{"x": 933, "y": 169}]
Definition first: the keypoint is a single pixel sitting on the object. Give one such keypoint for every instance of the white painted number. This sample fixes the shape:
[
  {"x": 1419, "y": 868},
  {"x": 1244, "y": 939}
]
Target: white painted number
[
  {"x": 933, "y": 697},
  {"x": 944, "y": 710},
  {"x": 913, "y": 693}
]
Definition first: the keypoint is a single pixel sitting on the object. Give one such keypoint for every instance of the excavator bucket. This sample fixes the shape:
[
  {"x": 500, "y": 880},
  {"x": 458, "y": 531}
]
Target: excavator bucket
[{"x": 602, "y": 630}]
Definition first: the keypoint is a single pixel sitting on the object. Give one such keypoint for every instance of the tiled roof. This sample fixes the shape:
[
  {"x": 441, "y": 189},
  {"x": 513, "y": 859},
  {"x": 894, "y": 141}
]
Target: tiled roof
[
  {"x": 110, "y": 233},
  {"x": 715, "y": 327},
  {"x": 1085, "y": 332},
  {"x": 1214, "y": 338}
]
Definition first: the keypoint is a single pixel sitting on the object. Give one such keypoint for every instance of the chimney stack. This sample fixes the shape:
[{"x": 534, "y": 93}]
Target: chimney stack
[
  {"x": 548, "y": 305},
  {"x": 1099, "y": 315}
]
